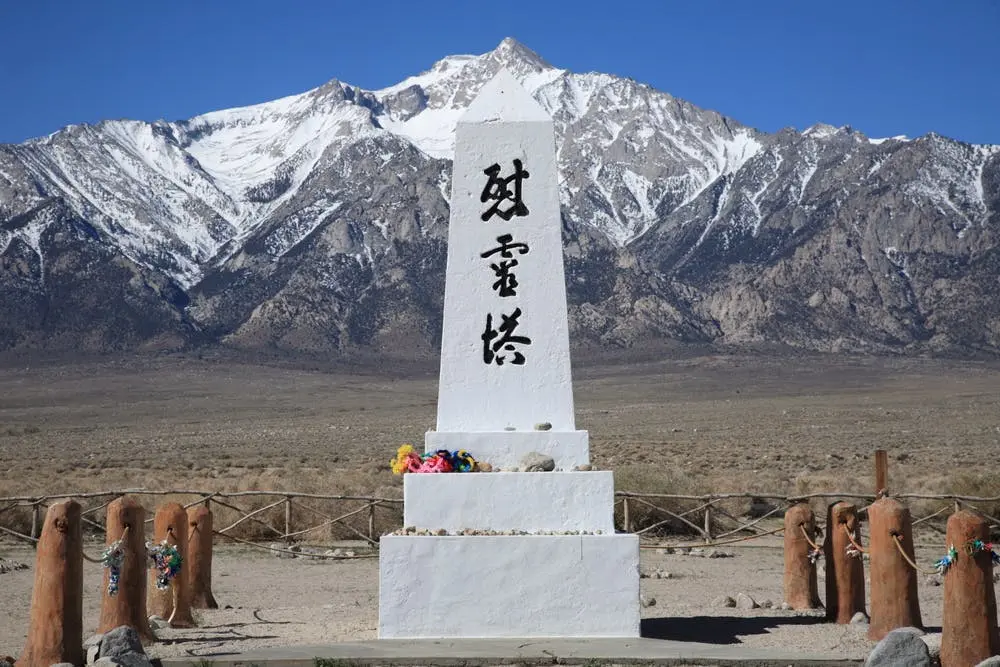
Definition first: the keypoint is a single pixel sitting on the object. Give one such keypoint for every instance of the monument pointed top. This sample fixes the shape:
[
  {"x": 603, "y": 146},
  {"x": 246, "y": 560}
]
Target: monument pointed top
[{"x": 503, "y": 99}]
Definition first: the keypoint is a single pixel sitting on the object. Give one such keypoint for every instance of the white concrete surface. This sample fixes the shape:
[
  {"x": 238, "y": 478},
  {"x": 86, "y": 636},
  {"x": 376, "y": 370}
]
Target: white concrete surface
[
  {"x": 516, "y": 586},
  {"x": 504, "y": 449},
  {"x": 505, "y": 124},
  {"x": 529, "y": 501}
]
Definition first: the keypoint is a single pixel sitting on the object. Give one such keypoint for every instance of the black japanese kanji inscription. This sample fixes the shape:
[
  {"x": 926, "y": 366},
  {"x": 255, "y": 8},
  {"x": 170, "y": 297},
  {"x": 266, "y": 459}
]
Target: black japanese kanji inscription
[
  {"x": 506, "y": 283},
  {"x": 507, "y": 340},
  {"x": 497, "y": 190}
]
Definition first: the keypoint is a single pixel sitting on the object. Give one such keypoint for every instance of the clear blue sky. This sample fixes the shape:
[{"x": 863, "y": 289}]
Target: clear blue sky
[{"x": 885, "y": 67}]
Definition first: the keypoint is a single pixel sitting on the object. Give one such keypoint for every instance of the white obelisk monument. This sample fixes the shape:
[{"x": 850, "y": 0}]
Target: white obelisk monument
[{"x": 550, "y": 564}]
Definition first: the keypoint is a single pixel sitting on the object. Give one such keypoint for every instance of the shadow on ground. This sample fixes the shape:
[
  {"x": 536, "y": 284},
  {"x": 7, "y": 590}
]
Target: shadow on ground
[{"x": 718, "y": 629}]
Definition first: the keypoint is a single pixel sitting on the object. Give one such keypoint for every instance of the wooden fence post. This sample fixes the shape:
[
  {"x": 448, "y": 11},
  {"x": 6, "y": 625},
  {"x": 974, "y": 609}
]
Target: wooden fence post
[
  {"x": 128, "y": 605},
  {"x": 170, "y": 526},
  {"x": 881, "y": 472},
  {"x": 894, "y": 601},
  {"x": 36, "y": 520},
  {"x": 371, "y": 522},
  {"x": 708, "y": 524},
  {"x": 969, "y": 631},
  {"x": 626, "y": 517},
  {"x": 199, "y": 558},
  {"x": 845, "y": 575},
  {"x": 801, "y": 585},
  {"x": 288, "y": 519},
  {"x": 55, "y": 628}
]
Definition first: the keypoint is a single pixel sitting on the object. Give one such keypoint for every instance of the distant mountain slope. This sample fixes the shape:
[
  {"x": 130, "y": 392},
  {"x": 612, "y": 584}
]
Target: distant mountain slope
[{"x": 318, "y": 222}]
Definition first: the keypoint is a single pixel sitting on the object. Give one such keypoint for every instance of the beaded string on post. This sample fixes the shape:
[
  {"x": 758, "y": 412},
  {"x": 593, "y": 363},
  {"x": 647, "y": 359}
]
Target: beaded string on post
[
  {"x": 113, "y": 558},
  {"x": 166, "y": 559},
  {"x": 976, "y": 546},
  {"x": 942, "y": 564}
]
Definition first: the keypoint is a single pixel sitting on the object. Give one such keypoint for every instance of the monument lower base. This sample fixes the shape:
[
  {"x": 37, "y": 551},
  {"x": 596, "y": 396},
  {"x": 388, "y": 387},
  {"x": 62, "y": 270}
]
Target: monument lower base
[{"x": 509, "y": 586}]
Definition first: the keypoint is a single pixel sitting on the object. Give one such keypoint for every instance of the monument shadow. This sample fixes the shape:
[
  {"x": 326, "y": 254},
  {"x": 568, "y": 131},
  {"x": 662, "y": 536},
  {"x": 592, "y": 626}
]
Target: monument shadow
[{"x": 718, "y": 629}]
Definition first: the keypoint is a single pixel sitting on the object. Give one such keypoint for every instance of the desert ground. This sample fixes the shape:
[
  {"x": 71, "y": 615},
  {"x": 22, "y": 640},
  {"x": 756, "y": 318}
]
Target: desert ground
[
  {"x": 272, "y": 602},
  {"x": 671, "y": 422}
]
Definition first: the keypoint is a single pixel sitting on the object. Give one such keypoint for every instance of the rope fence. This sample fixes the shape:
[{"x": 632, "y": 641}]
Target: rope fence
[
  {"x": 286, "y": 516},
  {"x": 302, "y": 513}
]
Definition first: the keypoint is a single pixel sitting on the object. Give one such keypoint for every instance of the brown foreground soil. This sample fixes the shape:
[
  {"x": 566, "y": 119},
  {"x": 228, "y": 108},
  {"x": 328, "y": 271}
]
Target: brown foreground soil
[{"x": 279, "y": 602}]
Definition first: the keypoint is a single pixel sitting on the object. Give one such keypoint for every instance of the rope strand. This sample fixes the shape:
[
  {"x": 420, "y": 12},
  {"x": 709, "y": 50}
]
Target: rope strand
[
  {"x": 899, "y": 545},
  {"x": 711, "y": 544},
  {"x": 805, "y": 534},
  {"x": 850, "y": 537}
]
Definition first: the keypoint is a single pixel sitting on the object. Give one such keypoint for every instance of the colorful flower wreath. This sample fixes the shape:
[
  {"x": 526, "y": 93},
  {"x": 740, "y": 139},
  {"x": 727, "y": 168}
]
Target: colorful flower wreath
[{"x": 407, "y": 460}]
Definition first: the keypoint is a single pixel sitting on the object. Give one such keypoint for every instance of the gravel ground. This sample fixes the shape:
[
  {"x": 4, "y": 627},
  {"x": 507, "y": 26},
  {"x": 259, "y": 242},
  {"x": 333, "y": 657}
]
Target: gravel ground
[{"x": 273, "y": 602}]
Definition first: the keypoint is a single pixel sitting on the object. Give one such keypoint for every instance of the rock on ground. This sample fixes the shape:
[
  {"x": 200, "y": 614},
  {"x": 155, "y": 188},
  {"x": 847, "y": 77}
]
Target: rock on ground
[
  {"x": 279, "y": 550},
  {"x": 724, "y": 601},
  {"x": 120, "y": 641},
  {"x": 11, "y": 566},
  {"x": 158, "y": 623},
  {"x": 744, "y": 601},
  {"x": 900, "y": 648}
]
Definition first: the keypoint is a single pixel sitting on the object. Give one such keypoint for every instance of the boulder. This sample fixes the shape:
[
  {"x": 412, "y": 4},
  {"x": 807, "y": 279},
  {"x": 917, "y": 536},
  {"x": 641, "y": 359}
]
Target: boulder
[
  {"x": 120, "y": 641},
  {"x": 902, "y": 647}
]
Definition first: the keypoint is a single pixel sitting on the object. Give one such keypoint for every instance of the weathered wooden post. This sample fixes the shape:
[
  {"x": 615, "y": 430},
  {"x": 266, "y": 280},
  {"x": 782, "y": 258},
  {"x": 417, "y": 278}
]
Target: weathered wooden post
[
  {"x": 199, "y": 558},
  {"x": 881, "y": 473},
  {"x": 801, "y": 587},
  {"x": 55, "y": 631},
  {"x": 36, "y": 519},
  {"x": 894, "y": 581},
  {"x": 969, "y": 630},
  {"x": 845, "y": 575},
  {"x": 127, "y": 606},
  {"x": 288, "y": 519},
  {"x": 170, "y": 524}
]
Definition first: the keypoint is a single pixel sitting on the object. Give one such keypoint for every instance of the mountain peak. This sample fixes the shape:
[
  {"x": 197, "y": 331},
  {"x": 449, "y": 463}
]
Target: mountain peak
[{"x": 515, "y": 55}]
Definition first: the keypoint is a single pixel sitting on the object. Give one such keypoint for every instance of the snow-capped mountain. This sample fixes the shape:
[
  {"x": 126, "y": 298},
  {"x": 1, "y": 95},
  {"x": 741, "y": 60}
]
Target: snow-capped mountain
[{"x": 318, "y": 222}]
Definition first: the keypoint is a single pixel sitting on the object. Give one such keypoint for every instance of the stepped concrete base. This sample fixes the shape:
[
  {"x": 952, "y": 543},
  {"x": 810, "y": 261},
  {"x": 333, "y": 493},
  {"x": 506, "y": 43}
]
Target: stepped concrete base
[
  {"x": 509, "y": 586},
  {"x": 504, "y": 449},
  {"x": 545, "y": 501}
]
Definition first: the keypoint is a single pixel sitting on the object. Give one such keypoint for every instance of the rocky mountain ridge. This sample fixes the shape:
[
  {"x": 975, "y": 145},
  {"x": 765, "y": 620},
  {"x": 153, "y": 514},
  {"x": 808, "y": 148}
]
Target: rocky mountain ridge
[{"x": 318, "y": 223}]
